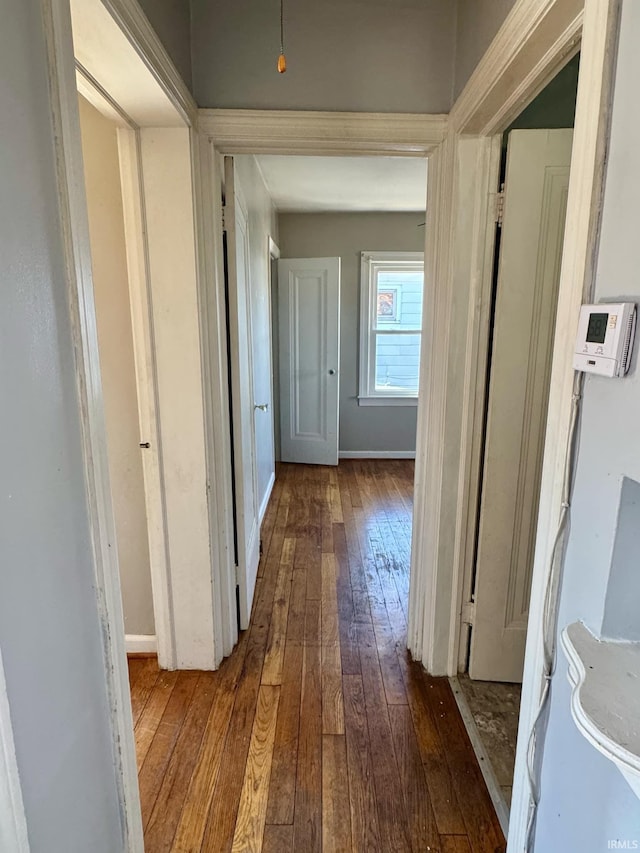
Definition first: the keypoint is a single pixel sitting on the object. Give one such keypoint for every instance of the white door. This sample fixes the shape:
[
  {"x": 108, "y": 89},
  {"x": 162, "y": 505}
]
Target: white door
[
  {"x": 535, "y": 201},
  {"x": 247, "y": 509},
  {"x": 309, "y": 333},
  {"x": 260, "y": 314}
]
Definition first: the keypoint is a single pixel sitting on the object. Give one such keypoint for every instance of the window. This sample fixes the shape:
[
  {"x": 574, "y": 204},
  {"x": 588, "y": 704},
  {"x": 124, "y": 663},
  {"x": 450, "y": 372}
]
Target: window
[{"x": 391, "y": 285}]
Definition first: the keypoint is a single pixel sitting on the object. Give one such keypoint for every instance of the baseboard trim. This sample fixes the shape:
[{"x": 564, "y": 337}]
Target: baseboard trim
[
  {"x": 137, "y": 644},
  {"x": 377, "y": 454},
  {"x": 267, "y": 495},
  {"x": 495, "y": 792}
]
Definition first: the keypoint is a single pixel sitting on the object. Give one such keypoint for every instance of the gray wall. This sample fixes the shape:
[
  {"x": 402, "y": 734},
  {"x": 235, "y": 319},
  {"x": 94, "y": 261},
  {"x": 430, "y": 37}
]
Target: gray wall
[
  {"x": 585, "y": 800},
  {"x": 311, "y": 235},
  {"x": 478, "y": 22},
  {"x": 387, "y": 56},
  {"x": 49, "y": 627},
  {"x": 171, "y": 19}
]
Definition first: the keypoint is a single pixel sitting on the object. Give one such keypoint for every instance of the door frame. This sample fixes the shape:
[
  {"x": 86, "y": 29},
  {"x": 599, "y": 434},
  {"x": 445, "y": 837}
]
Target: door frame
[
  {"x": 228, "y": 132},
  {"x": 157, "y": 118}
]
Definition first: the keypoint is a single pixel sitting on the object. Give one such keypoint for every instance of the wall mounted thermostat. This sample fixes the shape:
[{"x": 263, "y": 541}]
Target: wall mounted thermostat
[{"x": 605, "y": 338}]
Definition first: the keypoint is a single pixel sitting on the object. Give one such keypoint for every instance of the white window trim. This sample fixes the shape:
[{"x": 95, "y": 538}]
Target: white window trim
[{"x": 369, "y": 261}]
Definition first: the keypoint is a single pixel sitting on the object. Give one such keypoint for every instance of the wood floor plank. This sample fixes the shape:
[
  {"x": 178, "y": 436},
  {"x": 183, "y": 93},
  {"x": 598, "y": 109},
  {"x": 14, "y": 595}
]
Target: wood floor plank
[
  {"x": 335, "y": 501},
  {"x": 193, "y": 819},
  {"x": 274, "y": 657},
  {"x": 349, "y": 654},
  {"x": 297, "y": 606},
  {"x": 392, "y": 817},
  {"x": 152, "y": 773},
  {"x": 482, "y": 827},
  {"x": 226, "y": 798},
  {"x": 252, "y": 812},
  {"x": 454, "y": 844},
  {"x": 282, "y": 787},
  {"x": 134, "y": 666},
  {"x": 422, "y": 827},
  {"x": 362, "y": 796},
  {"x": 332, "y": 699},
  {"x": 332, "y": 702},
  {"x": 143, "y": 675},
  {"x": 150, "y": 717},
  {"x": 307, "y": 823},
  {"x": 441, "y": 790},
  {"x": 336, "y": 817},
  {"x": 161, "y": 827},
  {"x": 278, "y": 838}
]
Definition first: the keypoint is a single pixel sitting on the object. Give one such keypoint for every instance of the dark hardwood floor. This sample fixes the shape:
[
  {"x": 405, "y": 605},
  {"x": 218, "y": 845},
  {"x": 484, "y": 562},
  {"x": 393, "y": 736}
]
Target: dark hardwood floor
[{"x": 318, "y": 733}]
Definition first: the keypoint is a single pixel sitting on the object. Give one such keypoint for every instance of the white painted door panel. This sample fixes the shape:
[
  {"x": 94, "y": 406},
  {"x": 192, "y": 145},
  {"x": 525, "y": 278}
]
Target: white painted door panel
[
  {"x": 260, "y": 313},
  {"x": 242, "y": 393},
  {"x": 309, "y": 326},
  {"x": 536, "y": 185}
]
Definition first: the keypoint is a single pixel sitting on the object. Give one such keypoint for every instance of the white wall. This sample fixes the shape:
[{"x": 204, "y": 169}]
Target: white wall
[
  {"x": 354, "y": 55},
  {"x": 50, "y": 631},
  {"x": 585, "y": 801},
  {"x": 262, "y": 223},
  {"x": 478, "y": 22},
  {"x": 171, "y": 19},
  {"x": 115, "y": 340},
  {"x": 317, "y": 235}
]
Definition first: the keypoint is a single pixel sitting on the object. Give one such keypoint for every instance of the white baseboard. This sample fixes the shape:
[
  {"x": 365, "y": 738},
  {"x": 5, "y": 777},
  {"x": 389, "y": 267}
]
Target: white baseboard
[
  {"x": 267, "y": 495},
  {"x": 495, "y": 791},
  {"x": 377, "y": 454},
  {"x": 141, "y": 644}
]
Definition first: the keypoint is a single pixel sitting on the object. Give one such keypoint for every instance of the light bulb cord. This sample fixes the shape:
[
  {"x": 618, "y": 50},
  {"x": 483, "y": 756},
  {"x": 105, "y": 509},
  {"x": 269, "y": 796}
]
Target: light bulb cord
[{"x": 281, "y": 27}]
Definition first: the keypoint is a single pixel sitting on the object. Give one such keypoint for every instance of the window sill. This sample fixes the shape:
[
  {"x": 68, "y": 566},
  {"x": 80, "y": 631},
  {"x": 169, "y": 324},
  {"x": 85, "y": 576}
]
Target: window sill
[{"x": 388, "y": 401}]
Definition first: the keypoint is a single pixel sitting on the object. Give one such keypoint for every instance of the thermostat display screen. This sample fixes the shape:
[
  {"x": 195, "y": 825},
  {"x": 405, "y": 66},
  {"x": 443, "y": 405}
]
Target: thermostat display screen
[{"x": 597, "y": 328}]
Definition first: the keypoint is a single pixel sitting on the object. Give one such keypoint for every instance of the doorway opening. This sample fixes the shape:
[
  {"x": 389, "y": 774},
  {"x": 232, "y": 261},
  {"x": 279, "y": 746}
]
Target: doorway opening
[
  {"x": 324, "y": 279},
  {"x": 534, "y": 177},
  {"x": 125, "y": 448}
]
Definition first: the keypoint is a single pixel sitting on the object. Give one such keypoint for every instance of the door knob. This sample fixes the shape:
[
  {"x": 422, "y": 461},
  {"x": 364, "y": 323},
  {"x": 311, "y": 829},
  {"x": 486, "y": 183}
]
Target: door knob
[
  {"x": 262, "y": 406},
  {"x": 332, "y": 372}
]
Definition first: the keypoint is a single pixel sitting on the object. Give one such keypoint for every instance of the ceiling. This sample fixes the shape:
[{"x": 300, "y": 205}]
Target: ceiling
[{"x": 323, "y": 184}]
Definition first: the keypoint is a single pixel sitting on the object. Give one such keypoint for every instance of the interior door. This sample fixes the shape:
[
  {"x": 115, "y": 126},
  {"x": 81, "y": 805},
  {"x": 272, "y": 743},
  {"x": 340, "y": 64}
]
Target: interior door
[
  {"x": 260, "y": 314},
  {"x": 309, "y": 336},
  {"x": 536, "y": 185},
  {"x": 246, "y": 501}
]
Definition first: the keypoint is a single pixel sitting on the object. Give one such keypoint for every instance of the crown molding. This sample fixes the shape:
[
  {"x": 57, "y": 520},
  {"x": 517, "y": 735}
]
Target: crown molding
[
  {"x": 319, "y": 133},
  {"x": 537, "y": 38}
]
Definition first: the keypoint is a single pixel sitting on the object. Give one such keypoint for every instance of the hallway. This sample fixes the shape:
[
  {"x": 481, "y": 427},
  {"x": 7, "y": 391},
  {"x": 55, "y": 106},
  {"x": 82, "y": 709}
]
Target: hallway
[{"x": 318, "y": 733}]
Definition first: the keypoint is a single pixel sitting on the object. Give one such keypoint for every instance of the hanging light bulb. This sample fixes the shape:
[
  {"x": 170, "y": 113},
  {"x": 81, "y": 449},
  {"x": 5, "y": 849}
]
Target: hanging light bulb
[{"x": 282, "y": 59}]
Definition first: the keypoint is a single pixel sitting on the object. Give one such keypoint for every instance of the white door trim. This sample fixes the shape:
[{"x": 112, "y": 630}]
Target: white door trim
[
  {"x": 322, "y": 133},
  {"x": 213, "y": 324},
  {"x": 143, "y": 38},
  {"x": 146, "y": 386},
  {"x": 13, "y": 822},
  {"x": 537, "y": 38}
]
